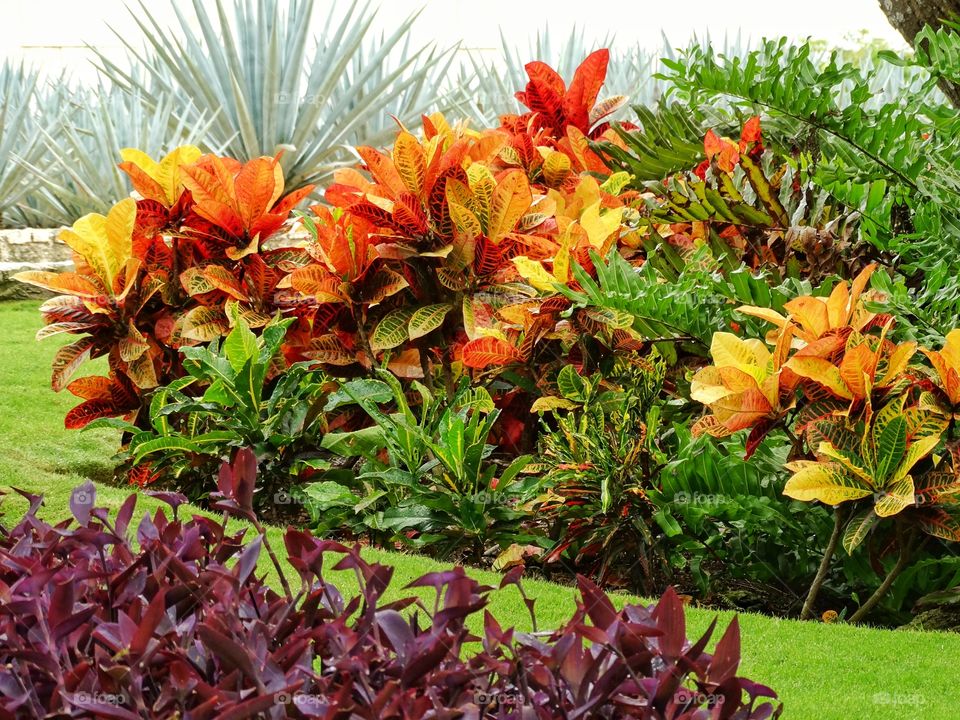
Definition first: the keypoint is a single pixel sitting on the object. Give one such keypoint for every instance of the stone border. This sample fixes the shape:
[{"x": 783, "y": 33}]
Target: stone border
[{"x": 29, "y": 249}]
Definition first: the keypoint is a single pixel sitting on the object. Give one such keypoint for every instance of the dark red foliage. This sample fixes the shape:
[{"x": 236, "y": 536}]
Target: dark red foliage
[{"x": 180, "y": 623}]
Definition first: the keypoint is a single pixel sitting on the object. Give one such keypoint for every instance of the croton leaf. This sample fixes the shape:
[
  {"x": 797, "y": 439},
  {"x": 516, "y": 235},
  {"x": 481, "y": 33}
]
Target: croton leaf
[
  {"x": 392, "y": 330},
  {"x": 486, "y": 351},
  {"x": 829, "y": 483},
  {"x": 427, "y": 319}
]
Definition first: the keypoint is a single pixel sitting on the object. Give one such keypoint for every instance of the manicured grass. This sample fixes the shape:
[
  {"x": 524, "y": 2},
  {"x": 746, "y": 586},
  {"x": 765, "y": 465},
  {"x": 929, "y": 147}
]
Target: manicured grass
[{"x": 821, "y": 671}]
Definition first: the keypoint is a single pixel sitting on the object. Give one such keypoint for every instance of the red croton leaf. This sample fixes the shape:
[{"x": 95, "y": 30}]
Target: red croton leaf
[{"x": 583, "y": 92}]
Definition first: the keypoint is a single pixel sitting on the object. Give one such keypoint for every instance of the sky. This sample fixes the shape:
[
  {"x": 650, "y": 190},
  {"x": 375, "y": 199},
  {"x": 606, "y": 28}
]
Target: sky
[{"x": 53, "y": 33}]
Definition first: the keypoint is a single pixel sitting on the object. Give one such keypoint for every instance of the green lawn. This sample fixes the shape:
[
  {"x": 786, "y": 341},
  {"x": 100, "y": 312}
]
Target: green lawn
[{"x": 821, "y": 671}]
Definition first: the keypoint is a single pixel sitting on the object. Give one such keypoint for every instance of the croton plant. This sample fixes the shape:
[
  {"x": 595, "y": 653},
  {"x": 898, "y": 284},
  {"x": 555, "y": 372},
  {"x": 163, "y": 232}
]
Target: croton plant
[
  {"x": 158, "y": 273},
  {"x": 442, "y": 252},
  {"x": 872, "y": 425}
]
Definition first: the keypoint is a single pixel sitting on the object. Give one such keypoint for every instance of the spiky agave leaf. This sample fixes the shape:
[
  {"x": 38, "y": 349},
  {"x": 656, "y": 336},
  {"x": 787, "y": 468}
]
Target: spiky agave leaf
[
  {"x": 79, "y": 173},
  {"x": 276, "y": 87},
  {"x": 19, "y": 133}
]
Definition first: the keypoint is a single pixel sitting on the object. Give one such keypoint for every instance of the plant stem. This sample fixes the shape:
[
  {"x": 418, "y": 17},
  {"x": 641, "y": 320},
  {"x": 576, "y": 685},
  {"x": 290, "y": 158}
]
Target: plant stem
[
  {"x": 807, "y": 612},
  {"x": 273, "y": 558},
  {"x": 906, "y": 553}
]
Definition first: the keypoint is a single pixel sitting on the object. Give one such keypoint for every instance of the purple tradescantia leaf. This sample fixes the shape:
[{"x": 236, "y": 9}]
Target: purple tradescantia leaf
[
  {"x": 82, "y": 499},
  {"x": 671, "y": 622},
  {"x": 596, "y": 604},
  {"x": 180, "y": 623},
  {"x": 247, "y": 561},
  {"x": 726, "y": 657},
  {"x": 173, "y": 499}
]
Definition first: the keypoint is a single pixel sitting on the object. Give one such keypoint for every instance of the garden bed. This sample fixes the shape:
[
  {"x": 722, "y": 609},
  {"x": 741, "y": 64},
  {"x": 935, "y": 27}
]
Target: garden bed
[{"x": 820, "y": 671}]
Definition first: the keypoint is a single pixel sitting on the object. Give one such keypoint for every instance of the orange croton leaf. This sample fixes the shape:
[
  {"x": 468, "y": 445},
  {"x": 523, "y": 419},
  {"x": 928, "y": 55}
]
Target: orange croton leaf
[
  {"x": 724, "y": 150},
  {"x": 241, "y": 199},
  {"x": 815, "y": 317},
  {"x": 555, "y": 107},
  {"x": 585, "y": 88},
  {"x": 751, "y": 134},
  {"x": 869, "y": 363},
  {"x": 486, "y": 351},
  {"x": 102, "y": 397},
  {"x": 946, "y": 363}
]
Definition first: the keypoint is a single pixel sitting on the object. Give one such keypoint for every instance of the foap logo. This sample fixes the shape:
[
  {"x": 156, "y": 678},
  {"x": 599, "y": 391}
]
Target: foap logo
[
  {"x": 697, "y": 498},
  {"x": 495, "y": 699},
  {"x": 913, "y": 699},
  {"x": 685, "y": 696},
  {"x": 282, "y": 497},
  {"x": 494, "y": 498},
  {"x": 100, "y": 698},
  {"x": 305, "y": 702},
  {"x": 82, "y": 496}
]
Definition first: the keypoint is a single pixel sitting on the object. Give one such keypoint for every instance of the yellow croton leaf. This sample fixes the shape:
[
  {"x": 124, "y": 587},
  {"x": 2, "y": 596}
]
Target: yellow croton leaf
[
  {"x": 748, "y": 355},
  {"x": 534, "y": 273},
  {"x": 827, "y": 482},
  {"x": 599, "y": 226},
  {"x": 408, "y": 157},
  {"x": 743, "y": 385},
  {"x": 105, "y": 242},
  {"x": 946, "y": 363},
  {"x": 895, "y": 497},
  {"x": 561, "y": 261},
  {"x": 556, "y": 167},
  {"x": 510, "y": 201},
  {"x": 166, "y": 185}
]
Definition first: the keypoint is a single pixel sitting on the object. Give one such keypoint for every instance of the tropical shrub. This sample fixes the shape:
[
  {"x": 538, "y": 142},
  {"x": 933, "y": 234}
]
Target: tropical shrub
[
  {"x": 726, "y": 518},
  {"x": 232, "y": 396},
  {"x": 180, "y": 621},
  {"x": 891, "y": 158},
  {"x": 426, "y": 475},
  {"x": 461, "y": 281},
  {"x": 869, "y": 424},
  {"x": 600, "y": 455},
  {"x": 160, "y": 273}
]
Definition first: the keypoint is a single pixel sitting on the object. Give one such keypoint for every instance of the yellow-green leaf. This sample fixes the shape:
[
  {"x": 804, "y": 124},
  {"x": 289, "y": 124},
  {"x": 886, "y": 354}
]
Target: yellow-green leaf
[
  {"x": 825, "y": 482},
  {"x": 427, "y": 319},
  {"x": 895, "y": 497},
  {"x": 534, "y": 273},
  {"x": 551, "y": 402},
  {"x": 391, "y": 331}
]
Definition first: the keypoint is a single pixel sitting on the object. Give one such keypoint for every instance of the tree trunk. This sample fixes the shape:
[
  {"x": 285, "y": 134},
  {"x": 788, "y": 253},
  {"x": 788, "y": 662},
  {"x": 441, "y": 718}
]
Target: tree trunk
[{"x": 909, "y": 17}]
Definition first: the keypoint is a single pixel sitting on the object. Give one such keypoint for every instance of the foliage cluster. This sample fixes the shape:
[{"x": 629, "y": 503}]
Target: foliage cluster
[
  {"x": 181, "y": 621},
  {"x": 498, "y": 342}
]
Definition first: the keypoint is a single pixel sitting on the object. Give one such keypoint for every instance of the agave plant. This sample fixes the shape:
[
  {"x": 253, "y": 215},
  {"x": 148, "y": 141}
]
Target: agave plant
[
  {"x": 274, "y": 88},
  {"x": 19, "y": 137},
  {"x": 78, "y": 172}
]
